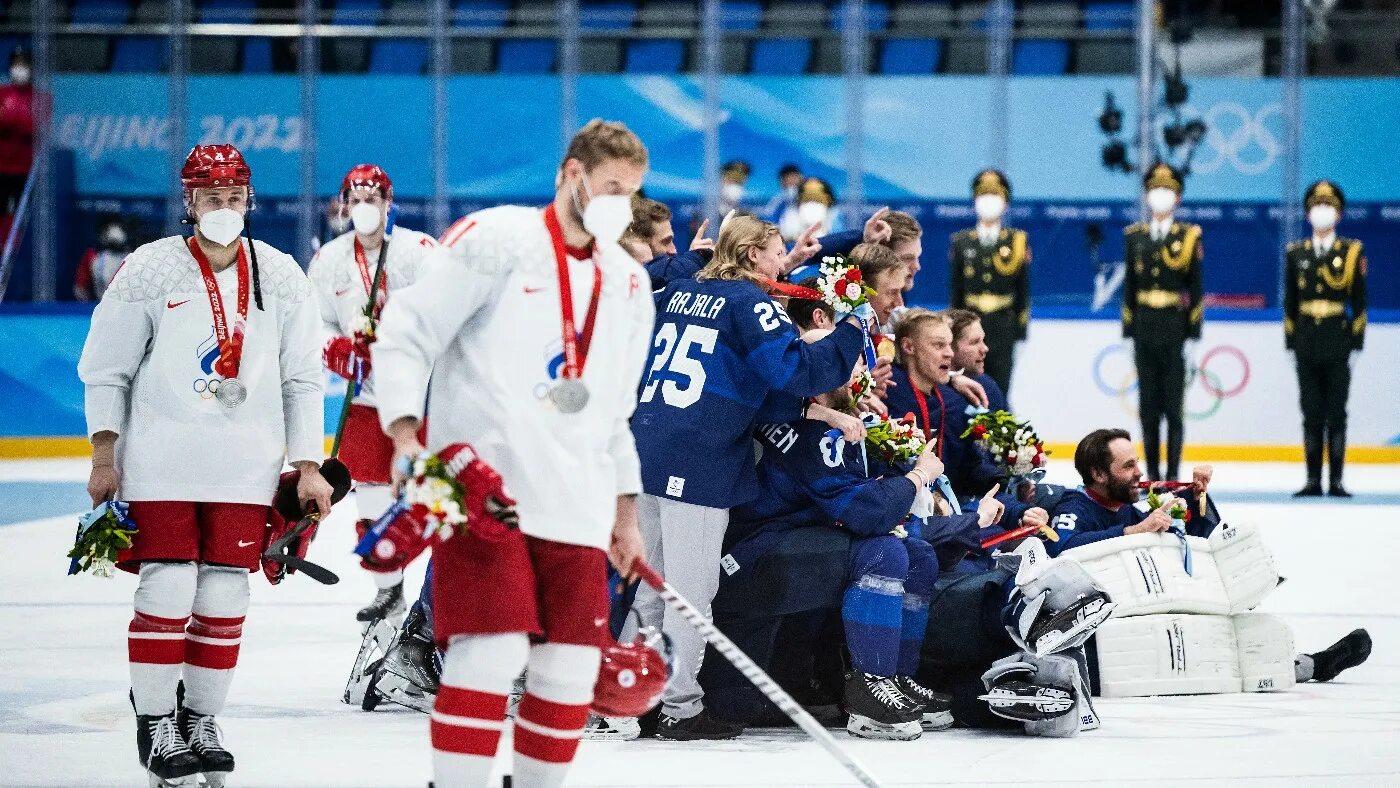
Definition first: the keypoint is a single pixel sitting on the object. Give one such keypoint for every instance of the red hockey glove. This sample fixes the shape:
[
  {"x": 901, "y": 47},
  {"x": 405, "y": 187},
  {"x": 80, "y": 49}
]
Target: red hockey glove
[
  {"x": 278, "y": 528},
  {"x": 346, "y": 358}
]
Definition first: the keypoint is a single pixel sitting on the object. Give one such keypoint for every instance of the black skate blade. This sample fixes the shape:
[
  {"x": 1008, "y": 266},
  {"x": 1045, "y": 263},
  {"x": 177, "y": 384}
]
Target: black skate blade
[{"x": 316, "y": 572}]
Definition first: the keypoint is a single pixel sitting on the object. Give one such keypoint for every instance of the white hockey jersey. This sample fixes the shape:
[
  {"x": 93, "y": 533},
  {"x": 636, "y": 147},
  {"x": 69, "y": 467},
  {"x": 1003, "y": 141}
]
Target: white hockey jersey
[
  {"x": 484, "y": 319},
  {"x": 148, "y": 369},
  {"x": 340, "y": 289}
]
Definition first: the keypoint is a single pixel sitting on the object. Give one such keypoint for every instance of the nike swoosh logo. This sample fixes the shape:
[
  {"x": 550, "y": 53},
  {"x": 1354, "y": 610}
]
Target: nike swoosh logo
[
  {"x": 340, "y": 293},
  {"x": 533, "y": 290},
  {"x": 242, "y": 543},
  {"x": 173, "y": 304}
]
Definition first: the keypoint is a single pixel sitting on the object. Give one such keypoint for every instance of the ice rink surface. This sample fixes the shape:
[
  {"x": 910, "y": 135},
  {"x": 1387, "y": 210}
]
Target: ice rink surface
[{"x": 64, "y": 718}]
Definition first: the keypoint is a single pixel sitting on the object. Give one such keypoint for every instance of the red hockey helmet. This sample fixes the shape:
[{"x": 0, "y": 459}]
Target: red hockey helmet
[
  {"x": 211, "y": 166},
  {"x": 630, "y": 678},
  {"x": 368, "y": 176}
]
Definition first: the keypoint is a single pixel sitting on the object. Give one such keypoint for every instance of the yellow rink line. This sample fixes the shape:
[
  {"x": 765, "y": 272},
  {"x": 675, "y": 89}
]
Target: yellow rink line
[{"x": 44, "y": 447}]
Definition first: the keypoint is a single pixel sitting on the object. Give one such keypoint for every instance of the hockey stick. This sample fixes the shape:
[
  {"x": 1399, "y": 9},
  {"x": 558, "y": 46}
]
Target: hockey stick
[
  {"x": 279, "y": 551},
  {"x": 752, "y": 672},
  {"x": 1021, "y": 532}
]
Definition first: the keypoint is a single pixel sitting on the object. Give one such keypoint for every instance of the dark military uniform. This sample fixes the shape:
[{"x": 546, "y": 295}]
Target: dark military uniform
[
  {"x": 1162, "y": 308},
  {"x": 1324, "y": 321},
  {"x": 993, "y": 280}
]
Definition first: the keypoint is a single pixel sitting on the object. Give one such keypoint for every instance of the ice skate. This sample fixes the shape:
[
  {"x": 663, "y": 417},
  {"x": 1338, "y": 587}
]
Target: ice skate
[
  {"x": 878, "y": 709},
  {"x": 938, "y": 706},
  {"x": 205, "y": 739}
]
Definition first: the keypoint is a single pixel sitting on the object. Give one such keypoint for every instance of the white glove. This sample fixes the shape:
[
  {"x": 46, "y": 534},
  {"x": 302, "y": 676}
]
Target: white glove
[{"x": 1188, "y": 350}]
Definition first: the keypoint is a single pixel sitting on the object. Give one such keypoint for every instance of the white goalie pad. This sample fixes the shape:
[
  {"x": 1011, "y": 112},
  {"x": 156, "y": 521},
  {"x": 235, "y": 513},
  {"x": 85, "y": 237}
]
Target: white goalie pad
[
  {"x": 1231, "y": 572},
  {"x": 1266, "y": 652},
  {"x": 1193, "y": 655}
]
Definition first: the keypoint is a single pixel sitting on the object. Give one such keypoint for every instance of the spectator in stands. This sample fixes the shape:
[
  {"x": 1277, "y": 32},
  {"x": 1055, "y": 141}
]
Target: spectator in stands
[
  {"x": 785, "y": 201},
  {"x": 16, "y": 133},
  {"x": 100, "y": 263},
  {"x": 816, "y": 204},
  {"x": 733, "y": 177}
]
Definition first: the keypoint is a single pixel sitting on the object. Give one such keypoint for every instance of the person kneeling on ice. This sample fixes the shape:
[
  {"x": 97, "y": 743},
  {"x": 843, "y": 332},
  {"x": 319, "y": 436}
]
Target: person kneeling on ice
[
  {"x": 1192, "y": 584},
  {"x": 811, "y": 476}
]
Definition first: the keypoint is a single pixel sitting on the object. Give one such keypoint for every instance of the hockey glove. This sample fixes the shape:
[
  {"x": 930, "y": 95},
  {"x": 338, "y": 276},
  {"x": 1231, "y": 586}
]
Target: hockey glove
[{"x": 347, "y": 358}]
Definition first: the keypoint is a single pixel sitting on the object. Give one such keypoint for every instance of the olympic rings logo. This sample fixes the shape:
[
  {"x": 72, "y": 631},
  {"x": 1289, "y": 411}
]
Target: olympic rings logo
[
  {"x": 1222, "y": 372},
  {"x": 1238, "y": 137},
  {"x": 206, "y": 388}
]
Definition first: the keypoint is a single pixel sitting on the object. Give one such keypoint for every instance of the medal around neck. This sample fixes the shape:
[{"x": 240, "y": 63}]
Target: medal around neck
[
  {"x": 569, "y": 395},
  {"x": 231, "y": 393}
]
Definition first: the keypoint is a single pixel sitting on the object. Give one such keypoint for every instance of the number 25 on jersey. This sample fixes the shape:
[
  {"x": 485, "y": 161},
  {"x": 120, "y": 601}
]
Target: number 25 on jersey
[{"x": 677, "y": 368}]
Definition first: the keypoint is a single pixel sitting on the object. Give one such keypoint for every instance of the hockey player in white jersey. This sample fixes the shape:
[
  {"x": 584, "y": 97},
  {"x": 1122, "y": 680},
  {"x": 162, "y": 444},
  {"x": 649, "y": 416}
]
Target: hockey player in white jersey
[
  {"x": 535, "y": 325},
  {"x": 342, "y": 275},
  {"x": 201, "y": 376}
]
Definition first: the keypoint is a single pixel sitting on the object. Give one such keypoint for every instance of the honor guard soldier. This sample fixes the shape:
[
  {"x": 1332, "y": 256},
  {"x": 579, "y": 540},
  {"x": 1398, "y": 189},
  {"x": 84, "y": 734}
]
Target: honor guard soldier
[
  {"x": 1324, "y": 279},
  {"x": 1162, "y": 312},
  {"x": 989, "y": 266}
]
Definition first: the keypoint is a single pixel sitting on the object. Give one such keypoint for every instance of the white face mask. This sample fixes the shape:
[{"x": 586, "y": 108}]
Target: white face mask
[
  {"x": 19, "y": 75},
  {"x": 365, "y": 217},
  {"x": 1161, "y": 200},
  {"x": 811, "y": 213},
  {"x": 731, "y": 192},
  {"x": 1322, "y": 217},
  {"x": 222, "y": 226},
  {"x": 607, "y": 216},
  {"x": 989, "y": 207}
]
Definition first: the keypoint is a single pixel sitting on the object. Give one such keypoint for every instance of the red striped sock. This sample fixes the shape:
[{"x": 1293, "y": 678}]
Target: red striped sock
[
  {"x": 546, "y": 738},
  {"x": 155, "y": 648},
  {"x": 466, "y": 729},
  {"x": 211, "y": 654}
]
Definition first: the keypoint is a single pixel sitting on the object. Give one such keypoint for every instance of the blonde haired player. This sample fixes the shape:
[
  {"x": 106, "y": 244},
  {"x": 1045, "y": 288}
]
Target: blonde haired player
[
  {"x": 535, "y": 325},
  {"x": 201, "y": 377},
  {"x": 342, "y": 275}
]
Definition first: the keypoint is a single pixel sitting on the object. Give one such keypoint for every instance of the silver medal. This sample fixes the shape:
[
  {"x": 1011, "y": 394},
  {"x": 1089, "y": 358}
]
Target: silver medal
[
  {"x": 231, "y": 392},
  {"x": 569, "y": 395}
]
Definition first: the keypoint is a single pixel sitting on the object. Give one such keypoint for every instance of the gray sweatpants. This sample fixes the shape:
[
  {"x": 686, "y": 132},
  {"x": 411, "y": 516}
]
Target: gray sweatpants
[{"x": 683, "y": 543}]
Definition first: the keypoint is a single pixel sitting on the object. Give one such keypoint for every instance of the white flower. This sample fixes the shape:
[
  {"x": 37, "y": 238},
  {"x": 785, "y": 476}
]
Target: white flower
[
  {"x": 102, "y": 567},
  {"x": 852, "y": 290}
]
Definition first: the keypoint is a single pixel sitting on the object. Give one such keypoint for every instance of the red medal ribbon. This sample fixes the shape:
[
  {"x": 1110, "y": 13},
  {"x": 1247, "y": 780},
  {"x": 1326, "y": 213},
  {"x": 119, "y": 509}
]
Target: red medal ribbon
[
  {"x": 795, "y": 291},
  {"x": 230, "y": 340},
  {"x": 382, "y": 292},
  {"x": 923, "y": 415},
  {"x": 575, "y": 346}
]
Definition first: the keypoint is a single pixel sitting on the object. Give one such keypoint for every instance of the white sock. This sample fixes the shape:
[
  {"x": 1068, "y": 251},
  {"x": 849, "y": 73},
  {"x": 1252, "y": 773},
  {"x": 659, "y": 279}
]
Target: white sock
[
  {"x": 470, "y": 711},
  {"x": 155, "y": 639},
  {"x": 558, "y": 689},
  {"x": 213, "y": 637}
]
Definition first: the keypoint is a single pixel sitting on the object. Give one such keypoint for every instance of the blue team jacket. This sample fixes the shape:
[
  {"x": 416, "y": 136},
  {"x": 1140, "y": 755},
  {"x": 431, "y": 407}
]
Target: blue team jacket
[{"x": 719, "y": 348}]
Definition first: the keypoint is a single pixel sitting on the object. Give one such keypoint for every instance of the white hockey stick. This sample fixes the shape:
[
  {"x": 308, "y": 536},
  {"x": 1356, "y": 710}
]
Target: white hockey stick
[{"x": 753, "y": 673}]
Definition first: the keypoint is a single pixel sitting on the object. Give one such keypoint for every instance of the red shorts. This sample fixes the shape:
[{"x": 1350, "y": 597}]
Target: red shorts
[
  {"x": 231, "y": 534},
  {"x": 520, "y": 584},
  {"x": 364, "y": 448}
]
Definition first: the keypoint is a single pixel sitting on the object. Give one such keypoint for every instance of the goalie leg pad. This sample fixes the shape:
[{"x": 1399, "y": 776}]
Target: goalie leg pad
[
  {"x": 1247, "y": 568},
  {"x": 1266, "y": 654},
  {"x": 1167, "y": 655}
]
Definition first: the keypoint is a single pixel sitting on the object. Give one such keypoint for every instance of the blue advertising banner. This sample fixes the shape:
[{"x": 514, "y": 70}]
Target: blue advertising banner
[{"x": 925, "y": 136}]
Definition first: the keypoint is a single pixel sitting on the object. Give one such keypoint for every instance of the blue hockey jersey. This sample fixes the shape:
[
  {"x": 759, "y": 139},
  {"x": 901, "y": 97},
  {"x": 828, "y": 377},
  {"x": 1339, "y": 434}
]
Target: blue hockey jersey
[
  {"x": 969, "y": 470},
  {"x": 719, "y": 347},
  {"x": 667, "y": 268},
  {"x": 1079, "y": 519}
]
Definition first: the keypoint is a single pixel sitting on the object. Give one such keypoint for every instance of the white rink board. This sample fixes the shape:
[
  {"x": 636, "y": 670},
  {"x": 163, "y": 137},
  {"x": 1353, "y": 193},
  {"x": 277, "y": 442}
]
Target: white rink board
[
  {"x": 64, "y": 718},
  {"x": 1073, "y": 376}
]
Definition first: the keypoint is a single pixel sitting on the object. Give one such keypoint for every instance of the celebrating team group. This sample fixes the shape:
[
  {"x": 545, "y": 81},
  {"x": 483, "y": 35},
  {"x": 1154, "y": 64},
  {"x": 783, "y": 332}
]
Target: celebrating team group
[{"x": 545, "y": 398}]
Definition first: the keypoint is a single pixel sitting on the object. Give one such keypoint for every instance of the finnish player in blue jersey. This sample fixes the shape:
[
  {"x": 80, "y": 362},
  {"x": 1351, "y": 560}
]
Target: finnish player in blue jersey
[{"x": 721, "y": 345}]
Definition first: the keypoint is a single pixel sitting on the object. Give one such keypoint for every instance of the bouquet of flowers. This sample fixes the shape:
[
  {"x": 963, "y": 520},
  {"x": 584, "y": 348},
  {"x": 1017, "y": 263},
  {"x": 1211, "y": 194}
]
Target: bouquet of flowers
[
  {"x": 1179, "y": 511},
  {"x": 863, "y": 384},
  {"x": 896, "y": 442},
  {"x": 1013, "y": 444},
  {"x": 102, "y": 533},
  {"x": 434, "y": 496},
  {"x": 841, "y": 285}
]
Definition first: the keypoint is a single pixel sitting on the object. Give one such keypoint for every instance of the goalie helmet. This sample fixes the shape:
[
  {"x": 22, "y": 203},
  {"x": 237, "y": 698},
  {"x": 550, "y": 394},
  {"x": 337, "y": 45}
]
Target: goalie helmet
[{"x": 631, "y": 677}]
